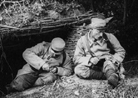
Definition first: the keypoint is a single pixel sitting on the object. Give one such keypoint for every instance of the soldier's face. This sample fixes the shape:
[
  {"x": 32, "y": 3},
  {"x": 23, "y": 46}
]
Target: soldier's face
[
  {"x": 97, "y": 32},
  {"x": 54, "y": 52}
]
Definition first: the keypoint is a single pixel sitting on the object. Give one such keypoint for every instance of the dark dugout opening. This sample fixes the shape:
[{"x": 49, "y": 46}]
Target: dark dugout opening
[{"x": 13, "y": 47}]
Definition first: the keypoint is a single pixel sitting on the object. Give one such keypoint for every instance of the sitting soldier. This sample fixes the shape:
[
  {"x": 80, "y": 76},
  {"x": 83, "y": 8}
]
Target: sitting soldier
[
  {"x": 93, "y": 57},
  {"x": 45, "y": 62}
]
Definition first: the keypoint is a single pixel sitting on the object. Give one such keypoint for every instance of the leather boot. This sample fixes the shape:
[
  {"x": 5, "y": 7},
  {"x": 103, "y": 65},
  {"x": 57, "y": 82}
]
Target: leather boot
[{"x": 112, "y": 77}]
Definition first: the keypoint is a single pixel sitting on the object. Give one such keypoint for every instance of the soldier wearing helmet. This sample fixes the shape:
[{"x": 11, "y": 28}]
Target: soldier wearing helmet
[{"x": 45, "y": 62}]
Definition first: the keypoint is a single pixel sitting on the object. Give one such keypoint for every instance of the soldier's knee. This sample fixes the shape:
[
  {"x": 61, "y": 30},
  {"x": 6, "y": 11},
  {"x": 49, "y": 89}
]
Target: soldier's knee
[
  {"x": 19, "y": 84},
  {"x": 82, "y": 72},
  {"x": 21, "y": 87},
  {"x": 39, "y": 82},
  {"x": 52, "y": 78},
  {"x": 67, "y": 73},
  {"x": 45, "y": 79},
  {"x": 108, "y": 65},
  {"x": 49, "y": 79}
]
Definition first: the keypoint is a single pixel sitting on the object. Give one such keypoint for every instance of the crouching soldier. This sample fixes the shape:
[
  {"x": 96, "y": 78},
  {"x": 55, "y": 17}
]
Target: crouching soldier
[
  {"x": 45, "y": 62},
  {"x": 93, "y": 57}
]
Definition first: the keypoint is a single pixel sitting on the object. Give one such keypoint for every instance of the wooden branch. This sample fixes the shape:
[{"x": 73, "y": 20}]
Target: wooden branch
[
  {"x": 130, "y": 61},
  {"x": 5, "y": 26},
  {"x": 125, "y": 12},
  {"x": 46, "y": 25}
]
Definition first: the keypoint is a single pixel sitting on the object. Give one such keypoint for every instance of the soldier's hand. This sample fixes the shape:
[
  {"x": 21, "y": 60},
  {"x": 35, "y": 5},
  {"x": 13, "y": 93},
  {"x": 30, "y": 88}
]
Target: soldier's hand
[
  {"x": 45, "y": 67},
  {"x": 54, "y": 69},
  {"x": 94, "y": 60},
  {"x": 117, "y": 63},
  {"x": 110, "y": 57}
]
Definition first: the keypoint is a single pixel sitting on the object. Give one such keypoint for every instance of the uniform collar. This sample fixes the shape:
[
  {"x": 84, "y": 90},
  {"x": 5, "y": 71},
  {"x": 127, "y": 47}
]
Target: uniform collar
[{"x": 91, "y": 40}]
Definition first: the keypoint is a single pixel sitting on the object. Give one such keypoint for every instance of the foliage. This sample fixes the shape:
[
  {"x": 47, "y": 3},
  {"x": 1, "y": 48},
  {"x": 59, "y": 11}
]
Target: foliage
[
  {"x": 112, "y": 8},
  {"x": 21, "y": 13}
]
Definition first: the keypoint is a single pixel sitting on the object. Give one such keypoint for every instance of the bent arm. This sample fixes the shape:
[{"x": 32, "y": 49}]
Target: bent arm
[
  {"x": 31, "y": 56},
  {"x": 67, "y": 67},
  {"x": 80, "y": 56},
  {"x": 119, "y": 50}
]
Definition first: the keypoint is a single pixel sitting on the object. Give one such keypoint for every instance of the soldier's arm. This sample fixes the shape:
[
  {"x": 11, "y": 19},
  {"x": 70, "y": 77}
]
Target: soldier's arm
[
  {"x": 119, "y": 50},
  {"x": 80, "y": 57},
  {"x": 67, "y": 68},
  {"x": 31, "y": 55}
]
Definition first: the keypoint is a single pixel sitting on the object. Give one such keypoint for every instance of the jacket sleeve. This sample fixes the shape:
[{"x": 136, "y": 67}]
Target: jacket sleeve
[
  {"x": 67, "y": 68},
  {"x": 31, "y": 55},
  {"x": 80, "y": 57},
  {"x": 119, "y": 50}
]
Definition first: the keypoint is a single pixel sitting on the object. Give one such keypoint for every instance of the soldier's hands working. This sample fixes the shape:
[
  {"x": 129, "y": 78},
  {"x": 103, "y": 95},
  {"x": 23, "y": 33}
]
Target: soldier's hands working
[
  {"x": 53, "y": 69},
  {"x": 45, "y": 67},
  {"x": 113, "y": 60},
  {"x": 94, "y": 60},
  {"x": 117, "y": 63}
]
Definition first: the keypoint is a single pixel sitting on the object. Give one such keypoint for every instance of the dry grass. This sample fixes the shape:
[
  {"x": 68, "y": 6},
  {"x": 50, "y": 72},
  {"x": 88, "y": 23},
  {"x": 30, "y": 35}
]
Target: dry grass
[{"x": 126, "y": 89}]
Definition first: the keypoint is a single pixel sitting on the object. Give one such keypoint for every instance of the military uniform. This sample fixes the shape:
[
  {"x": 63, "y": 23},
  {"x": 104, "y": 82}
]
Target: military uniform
[
  {"x": 88, "y": 48},
  {"x": 33, "y": 73}
]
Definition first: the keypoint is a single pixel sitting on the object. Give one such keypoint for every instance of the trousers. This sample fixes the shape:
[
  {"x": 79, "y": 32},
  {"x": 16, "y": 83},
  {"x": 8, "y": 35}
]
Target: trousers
[
  {"x": 85, "y": 72},
  {"x": 25, "y": 81}
]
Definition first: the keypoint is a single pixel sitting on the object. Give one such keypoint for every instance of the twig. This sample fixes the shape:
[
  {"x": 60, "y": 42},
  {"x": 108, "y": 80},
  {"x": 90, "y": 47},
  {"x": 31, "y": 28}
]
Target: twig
[
  {"x": 2, "y": 92},
  {"x": 20, "y": 7},
  {"x": 6, "y": 10},
  {"x": 54, "y": 85},
  {"x": 3, "y": 55},
  {"x": 5, "y": 26},
  {"x": 130, "y": 61},
  {"x": 2, "y": 2},
  {"x": 51, "y": 87}
]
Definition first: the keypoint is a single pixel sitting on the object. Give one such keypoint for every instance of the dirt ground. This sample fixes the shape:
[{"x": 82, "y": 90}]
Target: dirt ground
[{"x": 73, "y": 87}]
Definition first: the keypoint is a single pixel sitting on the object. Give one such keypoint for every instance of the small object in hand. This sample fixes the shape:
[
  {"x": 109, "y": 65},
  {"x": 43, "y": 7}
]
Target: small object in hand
[
  {"x": 94, "y": 60},
  {"x": 45, "y": 67},
  {"x": 117, "y": 63},
  {"x": 54, "y": 69}
]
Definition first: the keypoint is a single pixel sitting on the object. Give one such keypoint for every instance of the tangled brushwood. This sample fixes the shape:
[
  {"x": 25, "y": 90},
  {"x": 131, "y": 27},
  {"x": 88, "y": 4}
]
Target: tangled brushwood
[{"x": 21, "y": 13}]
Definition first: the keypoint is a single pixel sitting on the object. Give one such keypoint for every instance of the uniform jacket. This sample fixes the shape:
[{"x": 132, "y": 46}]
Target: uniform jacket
[
  {"x": 38, "y": 55},
  {"x": 99, "y": 48}
]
